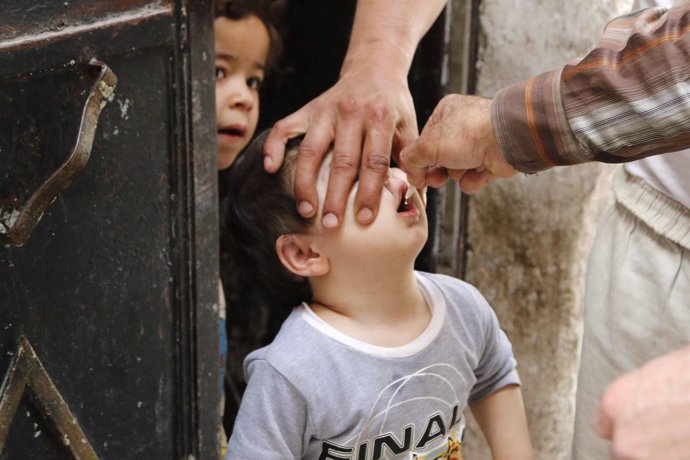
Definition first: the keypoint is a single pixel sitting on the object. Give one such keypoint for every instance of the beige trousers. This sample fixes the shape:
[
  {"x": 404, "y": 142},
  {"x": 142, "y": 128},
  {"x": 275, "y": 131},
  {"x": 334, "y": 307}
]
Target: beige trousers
[{"x": 637, "y": 303}]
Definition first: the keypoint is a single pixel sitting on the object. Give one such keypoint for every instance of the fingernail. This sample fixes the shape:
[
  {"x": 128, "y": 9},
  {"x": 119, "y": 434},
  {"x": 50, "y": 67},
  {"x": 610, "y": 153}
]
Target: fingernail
[
  {"x": 329, "y": 220},
  {"x": 305, "y": 208},
  {"x": 364, "y": 216}
]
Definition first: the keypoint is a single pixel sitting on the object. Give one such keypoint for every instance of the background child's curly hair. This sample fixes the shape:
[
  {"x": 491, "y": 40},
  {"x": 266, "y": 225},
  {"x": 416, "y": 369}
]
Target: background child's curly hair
[
  {"x": 268, "y": 11},
  {"x": 258, "y": 208}
]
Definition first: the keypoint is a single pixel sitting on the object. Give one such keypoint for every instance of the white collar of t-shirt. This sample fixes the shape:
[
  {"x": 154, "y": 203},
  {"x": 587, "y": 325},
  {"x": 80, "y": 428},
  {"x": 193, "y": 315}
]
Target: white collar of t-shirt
[{"x": 434, "y": 299}]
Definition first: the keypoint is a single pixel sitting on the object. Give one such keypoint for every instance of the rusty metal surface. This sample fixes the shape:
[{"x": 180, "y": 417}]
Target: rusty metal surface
[
  {"x": 26, "y": 375},
  {"x": 43, "y": 47},
  {"x": 98, "y": 285},
  {"x": 196, "y": 238},
  {"x": 118, "y": 283},
  {"x": 16, "y": 224},
  {"x": 19, "y": 18}
]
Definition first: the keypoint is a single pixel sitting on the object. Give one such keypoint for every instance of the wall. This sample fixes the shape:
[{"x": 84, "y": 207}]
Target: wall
[{"x": 530, "y": 236}]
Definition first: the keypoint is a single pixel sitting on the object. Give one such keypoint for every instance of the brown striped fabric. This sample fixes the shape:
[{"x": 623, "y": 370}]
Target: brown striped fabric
[{"x": 627, "y": 99}]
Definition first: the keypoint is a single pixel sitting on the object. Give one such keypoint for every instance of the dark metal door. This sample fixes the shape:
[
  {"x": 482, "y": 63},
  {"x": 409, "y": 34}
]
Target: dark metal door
[{"x": 108, "y": 322}]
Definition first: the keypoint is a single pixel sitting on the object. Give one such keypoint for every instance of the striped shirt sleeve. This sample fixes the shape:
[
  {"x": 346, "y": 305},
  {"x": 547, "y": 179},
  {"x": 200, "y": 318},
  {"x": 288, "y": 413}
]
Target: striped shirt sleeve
[{"x": 627, "y": 99}]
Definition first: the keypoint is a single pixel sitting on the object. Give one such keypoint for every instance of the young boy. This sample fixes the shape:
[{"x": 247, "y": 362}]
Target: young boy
[{"x": 376, "y": 360}]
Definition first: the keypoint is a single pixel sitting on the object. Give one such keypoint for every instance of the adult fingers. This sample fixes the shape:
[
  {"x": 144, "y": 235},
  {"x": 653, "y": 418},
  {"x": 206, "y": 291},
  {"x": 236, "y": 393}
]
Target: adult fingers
[
  {"x": 311, "y": 152},
  {"x": 603, "y": 424},
  {"x": 285, "y": 129},
  {"x": 405, "y": 134},
  {"x": 437, "y": 177},
  {"x": 416, "y": 159},
  {"x": 474, "y": 180},
  {"x": 376, "y": 160},
  {"x": 610, "y": 406},
  {"x": 344, "y": 165},
  {"x": 456, "y": 174}
]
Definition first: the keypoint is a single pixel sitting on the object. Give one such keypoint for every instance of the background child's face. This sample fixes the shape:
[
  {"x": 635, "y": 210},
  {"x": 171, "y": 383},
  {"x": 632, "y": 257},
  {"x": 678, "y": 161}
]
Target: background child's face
[{"x": 241, "y": 52}]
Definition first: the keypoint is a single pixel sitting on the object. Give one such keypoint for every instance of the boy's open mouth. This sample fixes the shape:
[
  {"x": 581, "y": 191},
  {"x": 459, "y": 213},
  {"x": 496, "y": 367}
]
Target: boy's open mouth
[{"x": 404, "y": 205}]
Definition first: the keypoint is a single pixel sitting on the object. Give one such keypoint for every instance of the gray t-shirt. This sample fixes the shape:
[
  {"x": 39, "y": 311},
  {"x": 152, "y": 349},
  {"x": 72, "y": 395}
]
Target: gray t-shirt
[{"x": 315, "y": 393}]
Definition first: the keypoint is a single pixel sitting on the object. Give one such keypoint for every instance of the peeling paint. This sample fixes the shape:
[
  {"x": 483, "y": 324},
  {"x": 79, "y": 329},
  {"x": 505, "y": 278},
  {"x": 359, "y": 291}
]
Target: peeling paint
[
  {"x": 124, "y": 107},
  {"x": 105, "y": 89},
  {"x": 8, "y": 216}
]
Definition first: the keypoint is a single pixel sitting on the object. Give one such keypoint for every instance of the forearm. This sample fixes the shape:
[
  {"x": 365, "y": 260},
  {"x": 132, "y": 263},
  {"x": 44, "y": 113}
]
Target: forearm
[
  {"x": 627, "y": 99},
  {"x": 501, "y": 417},
  {"x": 386, "y": 33}
]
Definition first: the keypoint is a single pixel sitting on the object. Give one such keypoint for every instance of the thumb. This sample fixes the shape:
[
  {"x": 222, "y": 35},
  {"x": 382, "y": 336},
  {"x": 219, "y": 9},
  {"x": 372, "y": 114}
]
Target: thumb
[
  {"x": 612, "y": 404},
  {"x": 404, "y": 137},
  {"x": 603, "y": 423},
  {"x": 406, "y": 131},
  {"x": 416, "y": 159},
  {"x": 285, "y": 129},
  {"x": 416, "y": 170}
]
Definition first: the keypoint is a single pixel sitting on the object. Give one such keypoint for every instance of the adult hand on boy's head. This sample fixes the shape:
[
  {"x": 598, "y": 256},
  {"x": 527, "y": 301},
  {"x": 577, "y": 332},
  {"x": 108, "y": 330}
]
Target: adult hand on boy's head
[
  {"x": 458, "y": 141},
  {"x": 366, "y": 115},
  {"x": 646, "y": 413}
]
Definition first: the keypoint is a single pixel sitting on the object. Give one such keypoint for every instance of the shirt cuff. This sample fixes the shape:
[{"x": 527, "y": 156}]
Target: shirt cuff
[{"x": 531, "y": 126}]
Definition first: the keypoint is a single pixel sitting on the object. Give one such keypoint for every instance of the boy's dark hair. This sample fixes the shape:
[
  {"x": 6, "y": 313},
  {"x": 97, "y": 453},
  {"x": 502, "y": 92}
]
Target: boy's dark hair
[
  {"x": 268, "y": 12},
  {"x": 258, "y": 208}
]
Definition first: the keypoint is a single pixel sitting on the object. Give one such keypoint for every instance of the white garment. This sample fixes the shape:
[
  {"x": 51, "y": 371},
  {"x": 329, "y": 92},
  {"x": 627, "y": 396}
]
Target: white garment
[
  {"x": 668, "y": 173},
  {"x": 637, "y": 304}
]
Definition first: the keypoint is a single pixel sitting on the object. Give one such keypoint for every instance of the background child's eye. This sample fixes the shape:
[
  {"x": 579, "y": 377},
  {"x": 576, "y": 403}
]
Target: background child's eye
[
  {"x": 220, "y": 73},
  {"x": 254, "y": 83}
]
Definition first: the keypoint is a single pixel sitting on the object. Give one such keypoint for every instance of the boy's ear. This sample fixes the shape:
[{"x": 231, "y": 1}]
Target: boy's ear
[{"x": 299, "y": 255}]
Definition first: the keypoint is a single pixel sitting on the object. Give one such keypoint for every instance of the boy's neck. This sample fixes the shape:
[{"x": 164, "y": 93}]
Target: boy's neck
[{"x": 384, "y": 308}]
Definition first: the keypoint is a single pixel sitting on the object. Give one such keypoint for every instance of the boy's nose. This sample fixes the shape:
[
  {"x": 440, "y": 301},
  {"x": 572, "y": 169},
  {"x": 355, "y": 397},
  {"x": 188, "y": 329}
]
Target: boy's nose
[
  {"x": 395, "y": 177},
  {"x": 398, "y": 173}
]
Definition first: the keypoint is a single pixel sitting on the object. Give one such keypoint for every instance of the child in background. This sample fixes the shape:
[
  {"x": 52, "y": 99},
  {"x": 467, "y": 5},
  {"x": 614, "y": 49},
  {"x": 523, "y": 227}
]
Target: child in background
[
  {"x": 246, "y": 47},
  {"x": 376, "y": 360}
]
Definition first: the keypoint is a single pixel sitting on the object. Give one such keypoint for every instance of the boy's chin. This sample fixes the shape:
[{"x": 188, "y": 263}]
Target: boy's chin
[{"x": 415, "y": 250}]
